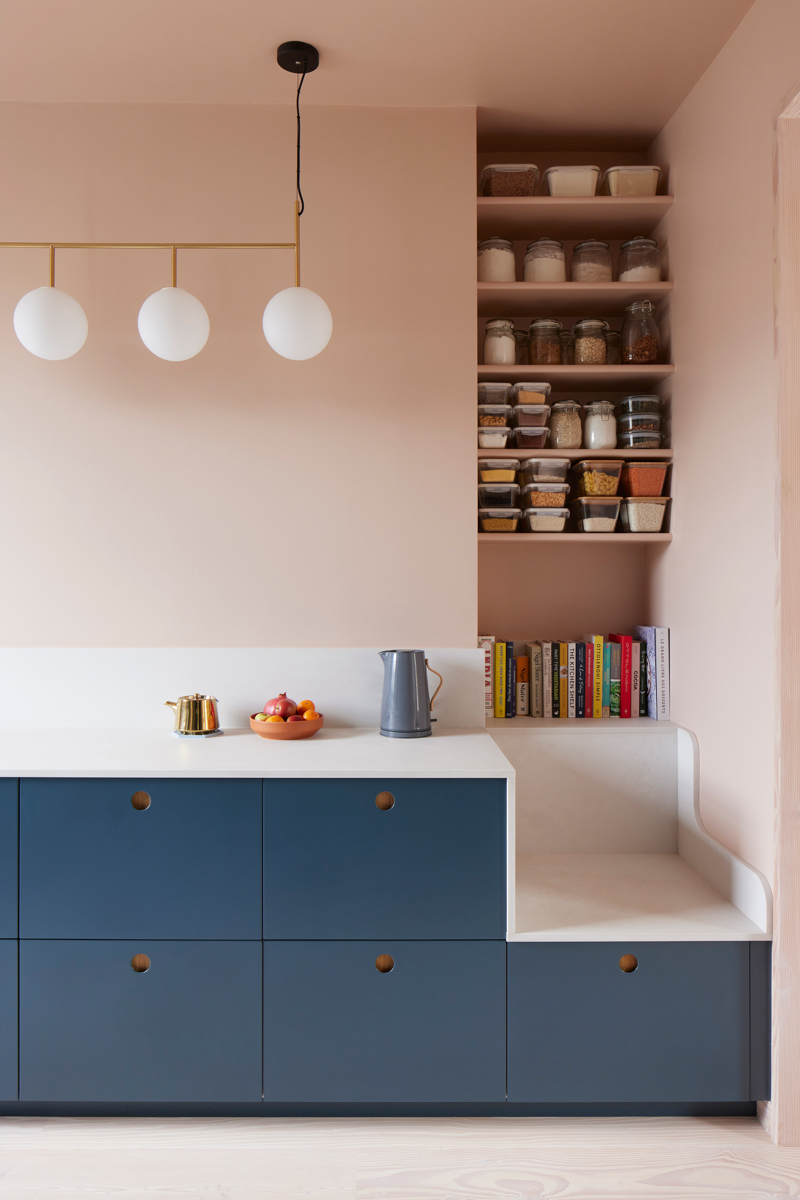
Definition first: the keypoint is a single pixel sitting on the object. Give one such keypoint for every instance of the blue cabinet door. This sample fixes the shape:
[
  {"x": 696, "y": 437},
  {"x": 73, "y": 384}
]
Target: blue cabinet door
[
  {"x": 92, "y": 865},
  {"x": 433, "y": 865},
  {"x": 9, "y": 806},
  {"x": 93, "y": 1028},
  {"x": 674, "y": 1029},
  {"x": 430, "y": 1029},
  {"x": 8, "y": 1020}
]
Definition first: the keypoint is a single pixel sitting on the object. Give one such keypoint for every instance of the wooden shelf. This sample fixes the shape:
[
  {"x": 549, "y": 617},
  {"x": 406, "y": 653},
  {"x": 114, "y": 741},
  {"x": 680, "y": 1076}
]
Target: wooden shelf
[
  {"x": 612, "y": 217},
  {"x": 565, "y": 299},
  {"x": 623, "y": 378},
  {"x": 619, "y": 539},
  {"x": 631, "y": 725},
  {"x": 515, "y": 452}
]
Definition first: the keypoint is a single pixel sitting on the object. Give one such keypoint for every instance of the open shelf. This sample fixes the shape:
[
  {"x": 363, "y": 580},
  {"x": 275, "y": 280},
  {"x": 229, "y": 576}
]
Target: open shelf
[
  {"x": 612, "y": 217},
  {"x": 631, "y": 725},
  {"x": 621, "y": 377},
  {"x": 515, "y": 452},
  {"x": 560, "y": 299},
  {"x": 619, "y": 539}
]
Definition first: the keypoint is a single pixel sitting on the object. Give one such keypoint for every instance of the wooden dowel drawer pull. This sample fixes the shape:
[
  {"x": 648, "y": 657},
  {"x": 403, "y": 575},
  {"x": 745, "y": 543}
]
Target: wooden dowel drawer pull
[
  {"x": 384, "y": 963},
  {"x": 384, "y": 801},
  {"x": 628, "y": 963},
  {"x": 140, "y": 963},
  {"x": 140, "y": 800}
]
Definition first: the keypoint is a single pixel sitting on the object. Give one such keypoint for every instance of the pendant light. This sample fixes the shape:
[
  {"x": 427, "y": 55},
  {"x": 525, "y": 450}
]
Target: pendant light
[
  {"x": 50, "y": 323},
  {"x": 173, "y": 323}
]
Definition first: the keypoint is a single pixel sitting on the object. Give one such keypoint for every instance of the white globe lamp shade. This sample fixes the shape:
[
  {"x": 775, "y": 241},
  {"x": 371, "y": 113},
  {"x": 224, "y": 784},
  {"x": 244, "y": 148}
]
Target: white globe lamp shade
[
  {"x": 173, "y": 324},
  {"x": 50, "y": 323},
  {"x": 297, "y": 323}
]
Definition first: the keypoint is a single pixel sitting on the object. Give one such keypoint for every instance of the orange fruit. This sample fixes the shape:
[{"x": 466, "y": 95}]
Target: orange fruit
[
  {"x": 275, "y": 719},
  {"x": 305, "y": 706},
  {"x": 310, "y": 715}
]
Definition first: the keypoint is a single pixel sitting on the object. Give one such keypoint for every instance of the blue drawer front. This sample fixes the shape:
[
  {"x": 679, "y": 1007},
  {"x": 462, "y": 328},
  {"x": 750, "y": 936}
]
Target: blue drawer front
[
  {"x": 94, "y": 866},
  {"x": 9, "y": 844},
  {"x": 187, "y": 1029},
  {"x": 337, "y": 1029},
  {"x": 8, "y": 1020},
  {"x": 431, "y": 866},
  {"x": 675, "y": 1029}
]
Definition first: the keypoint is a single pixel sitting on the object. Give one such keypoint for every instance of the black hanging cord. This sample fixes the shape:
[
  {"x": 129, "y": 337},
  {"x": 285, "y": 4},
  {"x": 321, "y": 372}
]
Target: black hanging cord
[{"x": 299, "y": 193}]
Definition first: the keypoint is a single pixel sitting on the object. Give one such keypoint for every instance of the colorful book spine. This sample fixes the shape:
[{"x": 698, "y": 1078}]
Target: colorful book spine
[
  {"x": 588, "y": 706},
  {"x": 547, "y": 679},
  {"x": 642, "y": 679},
  {"x": 625, "y": 686},
  {"x": 535, "y": 702},
  {"x": 500, "y": 679},
  {"x": 563, "y": 680},
  {"x": 656, "y": 640},
  {"x": 580, "y": 678},
  {"x": 511, "y": 681},
  {"x": 523, "y": 685},
  {"x": 606, "y": 712},
  {"x": 486, "y": 644},
  {"x": 614, "y": 682},
  {"x": 597, "y": 689},
  {"x": 636, "y": 660},
  {"x": 556, "y": 680},
  {"x": 572, "y": 680}
]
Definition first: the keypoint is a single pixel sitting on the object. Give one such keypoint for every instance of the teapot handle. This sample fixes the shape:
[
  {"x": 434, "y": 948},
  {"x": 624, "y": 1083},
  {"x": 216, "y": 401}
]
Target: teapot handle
[{"x": 441, "y": 681}]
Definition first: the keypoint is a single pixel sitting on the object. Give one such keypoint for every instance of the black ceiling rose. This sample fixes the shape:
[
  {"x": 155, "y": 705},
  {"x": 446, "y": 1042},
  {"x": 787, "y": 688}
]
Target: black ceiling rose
[{"x": 299, "y": 57}]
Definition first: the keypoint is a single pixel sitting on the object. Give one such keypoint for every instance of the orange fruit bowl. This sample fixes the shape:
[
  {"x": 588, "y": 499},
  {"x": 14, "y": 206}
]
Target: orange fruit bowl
[{"x": 286, "y": 731}]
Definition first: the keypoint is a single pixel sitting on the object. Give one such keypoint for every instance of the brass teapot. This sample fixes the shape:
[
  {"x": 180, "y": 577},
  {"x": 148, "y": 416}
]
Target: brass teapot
[{"x": 195, "y": 714}]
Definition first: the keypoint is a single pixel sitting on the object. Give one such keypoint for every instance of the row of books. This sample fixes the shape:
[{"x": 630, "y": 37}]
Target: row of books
[{"x": 622, "y": 675}]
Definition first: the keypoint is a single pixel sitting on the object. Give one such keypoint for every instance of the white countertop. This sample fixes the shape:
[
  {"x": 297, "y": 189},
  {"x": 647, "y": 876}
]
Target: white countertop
[{"x": 348, "y": 753}]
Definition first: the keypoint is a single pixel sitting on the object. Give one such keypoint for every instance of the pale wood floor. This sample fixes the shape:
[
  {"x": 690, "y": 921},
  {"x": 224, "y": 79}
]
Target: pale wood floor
[{"x": 388, "y": 1159}]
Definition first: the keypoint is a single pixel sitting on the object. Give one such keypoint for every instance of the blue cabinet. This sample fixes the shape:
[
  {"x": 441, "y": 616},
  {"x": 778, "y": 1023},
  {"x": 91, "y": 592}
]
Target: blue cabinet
[
  {"x": 674, "y": 1029},
  {"x": 430, "y": 863},
  {"x": 8, "y": 1020},
  {"x": 432, "y": 1028},
  {"x": 9, "y": 806},
  {"x": 186, "y": 863},
  {"x": 186, "y": 1029}
]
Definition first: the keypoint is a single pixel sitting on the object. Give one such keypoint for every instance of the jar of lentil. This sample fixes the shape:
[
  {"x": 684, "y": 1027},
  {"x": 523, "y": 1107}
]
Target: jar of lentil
[
  {"x": 496, "y": 262},
  {"x": 613, "y": 347},
  {"x": 522, "y": 346},
  {"x": 544, "y": 262},
  {"x": 591, "y": 263},
  {"x": 640, "y": 333},
  {"x": 600, "y": 426},
  {"x": 499, "y": 342},
  {"x": 544, "y": 342},
  {"x": 566, "y": 345},
  {"x": 639, "y": 261},
  {"x": 589, "y": 342},
  {"x": 565, "y": 426}
]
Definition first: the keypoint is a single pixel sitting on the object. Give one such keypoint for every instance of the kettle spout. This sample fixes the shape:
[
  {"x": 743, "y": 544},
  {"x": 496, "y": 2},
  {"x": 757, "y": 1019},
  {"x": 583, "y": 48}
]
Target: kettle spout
[
  {"x": 384, "y": 654},
  {"x": 173, "y": 704}
]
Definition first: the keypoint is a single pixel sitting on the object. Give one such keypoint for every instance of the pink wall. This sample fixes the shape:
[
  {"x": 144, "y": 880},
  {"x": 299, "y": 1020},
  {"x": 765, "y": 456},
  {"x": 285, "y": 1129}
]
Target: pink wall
[
  {"x": 716, "y": 587},
  {"x": 240, "y": 499}
]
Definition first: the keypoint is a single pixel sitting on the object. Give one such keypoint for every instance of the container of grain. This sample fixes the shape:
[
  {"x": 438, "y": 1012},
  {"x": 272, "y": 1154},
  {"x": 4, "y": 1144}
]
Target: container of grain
[
  {"x": 641, "y": 439},
  {"x": 529, "y": 393},
  {"x": 544, "y": 520},
  {"x": 596, "y": 514},
  {"x": 531, "y": 437},
  {"x": 643, "y": 478},
  {"x": 543, "y": 470},
  {"x": 498, "y": 495},
  {"x": 543, "y": 495},
  {"x": 591, "y": 263},
  {"x": 509, "y": 179},
  {"x": 639, "y": 422},
  {"x": 631, "y": 181},
  {"x": 496, "y": 262},
  {"x": 640, "y": 404},
  {"x": 589, "y": 342},
  {"x": 639, "y": 261},
  {"x": 544, "y": 342},
  {"x": 498, "y": 520},
  {"x": 640, "y": 333},
  {"x": 597, "y": 476},
  {"x": 530, "y": 414},
  {"x": 643, "y": 514},
  {"x": 544, "y": 262},
  {"x": 566, "y": 430},
  {"x": 498, "y": 470},
  {"x": 494, "y": 393},
  {"x": 493, "y": 437},
  {"x": 571, "y": 181},
  {"x": 493, "y": 414}
]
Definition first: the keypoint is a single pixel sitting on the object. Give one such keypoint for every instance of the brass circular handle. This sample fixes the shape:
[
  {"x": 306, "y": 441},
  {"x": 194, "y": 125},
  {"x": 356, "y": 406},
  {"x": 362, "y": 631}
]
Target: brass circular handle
[
  {"x": 384, "y": 801},
  {"x": 628, "y": 963},
  {"x": 384, "y": 963},
  {"x": 140, "y": 800},
  {"x": 140, "y": 963}
]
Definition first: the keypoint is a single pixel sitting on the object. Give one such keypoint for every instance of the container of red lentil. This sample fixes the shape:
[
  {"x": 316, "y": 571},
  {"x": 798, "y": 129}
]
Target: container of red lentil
[{"x": 643, "y": 478}]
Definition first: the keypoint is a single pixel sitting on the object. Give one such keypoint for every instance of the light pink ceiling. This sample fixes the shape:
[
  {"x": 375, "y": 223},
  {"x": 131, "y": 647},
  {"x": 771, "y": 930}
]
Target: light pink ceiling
[{"x": 615, "y": 69}]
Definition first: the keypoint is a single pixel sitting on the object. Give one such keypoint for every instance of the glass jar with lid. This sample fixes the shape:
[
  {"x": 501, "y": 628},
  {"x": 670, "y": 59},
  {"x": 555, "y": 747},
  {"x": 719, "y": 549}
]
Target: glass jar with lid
[
  {"x": 544, "y": 262},
  {"x": 566, "y": 345},
  {"x": 499, "y": 342},
  {"x": 640, "y": 333},
  {"x": 591, "y": 263},
  {"x": 496, "y": 262},
  {"x": 600, "y": 426},
  {"x": 544, "y": 342},
  {"x": 639, "y": 261},
  {"x": 565, "y": 426},
  {"x": 522, "y": 346},
  {"x": 613, "y": 347},
  {"x": 589, "y": 342}
]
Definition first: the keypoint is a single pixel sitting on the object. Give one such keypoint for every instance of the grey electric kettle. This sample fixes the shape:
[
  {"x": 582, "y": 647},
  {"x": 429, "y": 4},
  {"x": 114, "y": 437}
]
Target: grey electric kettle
[{"x": 406, "y": 705}]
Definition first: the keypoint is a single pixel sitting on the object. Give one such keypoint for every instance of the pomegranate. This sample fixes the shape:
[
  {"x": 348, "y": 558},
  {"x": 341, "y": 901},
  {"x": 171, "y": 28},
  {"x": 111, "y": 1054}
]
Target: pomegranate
[{"x": 281, "y": 706}]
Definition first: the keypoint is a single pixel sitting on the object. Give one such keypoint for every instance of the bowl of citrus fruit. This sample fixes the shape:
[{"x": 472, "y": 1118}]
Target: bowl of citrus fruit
[{"x": 284, "y": 721}]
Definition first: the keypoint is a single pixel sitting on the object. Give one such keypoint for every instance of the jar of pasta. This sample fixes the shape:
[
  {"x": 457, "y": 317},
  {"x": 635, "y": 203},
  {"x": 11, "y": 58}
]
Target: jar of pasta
[
  {"x": 589, "y": 342},
  {"x": 544, "y": 342},
  {"x": 499, "y": 342}
]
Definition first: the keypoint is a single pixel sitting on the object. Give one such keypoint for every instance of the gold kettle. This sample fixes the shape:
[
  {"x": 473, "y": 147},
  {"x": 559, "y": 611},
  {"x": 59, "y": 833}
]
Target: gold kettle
[{"x": 195, "y": 714}]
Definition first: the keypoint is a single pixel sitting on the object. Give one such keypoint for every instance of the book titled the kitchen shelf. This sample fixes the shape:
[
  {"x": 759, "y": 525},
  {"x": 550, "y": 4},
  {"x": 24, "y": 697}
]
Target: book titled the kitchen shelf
[{"x": 615, "y": 675}]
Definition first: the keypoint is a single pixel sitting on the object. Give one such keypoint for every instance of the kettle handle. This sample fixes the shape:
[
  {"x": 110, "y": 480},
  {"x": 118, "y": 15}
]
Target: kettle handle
[{"x": 441, "y": 681}]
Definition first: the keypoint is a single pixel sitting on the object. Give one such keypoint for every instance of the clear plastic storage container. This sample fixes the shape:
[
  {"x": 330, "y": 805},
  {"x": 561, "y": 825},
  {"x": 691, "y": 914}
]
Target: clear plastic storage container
[
  {"x": 509, "y": 179},
  {"x": 498, "y": 520},
  {"x": 597, "y": 476},
  {"x": 496, "y": 262},
  {"x": 498, "y": 495},
  {"x": 493, "y": 437},
  {"x": 493, "y": 414},
  {"x": 529, "y": 393},
  {"x": 631, "y": 181},
  {"x": 543, "y": 470},
  {"x": 530, "y": 414},
  {"x": 642, "y": 439},
  {"x": 640, "y": 404},
  {"x": 596, "y": 514},
  {"x": 643, "y": 514},
  {"x": 571, "y": 181},
  {"x": 531, "y": 437},
  {"x": 544, "y": 520},
  {"x": 543, "y": 495},
  {"x": 544, "y": 262},
  {"x": 494, "y": 393},
  {"x": 643, "y": 478},
  {"x": 639, "y": 421},
  {"x": 498, "y": 470}
]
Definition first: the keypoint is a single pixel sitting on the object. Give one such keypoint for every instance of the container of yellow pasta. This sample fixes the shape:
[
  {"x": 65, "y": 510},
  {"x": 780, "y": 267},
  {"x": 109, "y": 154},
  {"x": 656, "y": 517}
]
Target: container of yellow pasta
[{"x": 597, "y": 477}]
